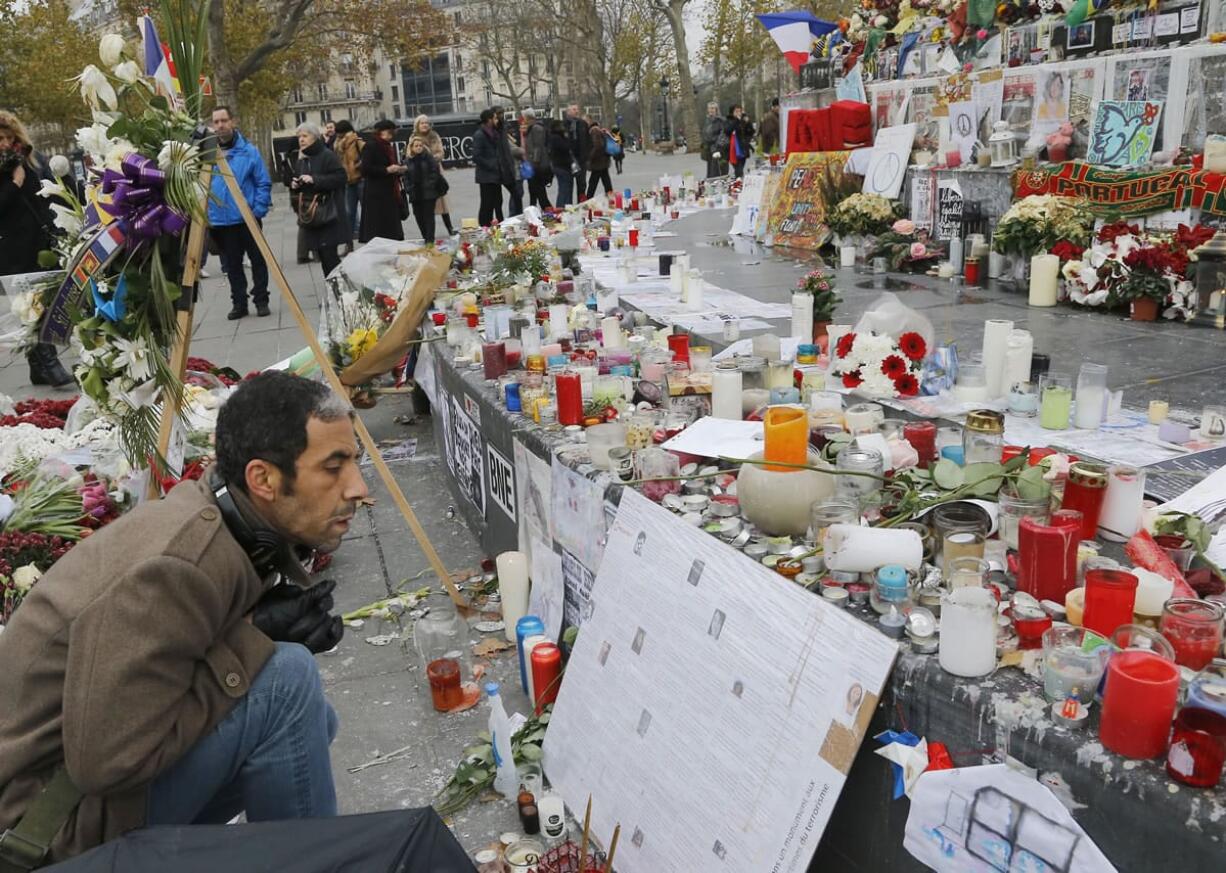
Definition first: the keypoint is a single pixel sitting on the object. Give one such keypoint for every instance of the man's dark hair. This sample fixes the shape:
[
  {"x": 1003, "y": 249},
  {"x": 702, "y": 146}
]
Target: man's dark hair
[
  {"x": 486, "y": 115},
  {"x": 266, "y": 419},
  {"x": 383, "y": 124},
  {"x": 774, "y": 103},
  {"x": 344, "y": 126},
  {"x": 224, "y": 108}
]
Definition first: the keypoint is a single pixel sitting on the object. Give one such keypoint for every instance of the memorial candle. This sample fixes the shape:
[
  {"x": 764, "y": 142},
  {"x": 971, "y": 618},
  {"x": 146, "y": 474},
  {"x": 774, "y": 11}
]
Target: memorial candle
[
  {"x": 679, "y": 345},
  {"x": 494, "y": 359},
  {"x": 569, "y": 390},
  {"x": 1139, "y": 700},
  {"x": 1110, "y": 599},
  {"x": 1044, "y": 278},
  {"x": 1047, "y": 555},
  {"x": 726, "y": 391},
  {"x": 802, "y": 316},
  {"x": 968, "y": 632},
  {"x": 1084, "y": 492},
  {"x": 787, "y": 437},
  {"x": 513, "y": 586}
]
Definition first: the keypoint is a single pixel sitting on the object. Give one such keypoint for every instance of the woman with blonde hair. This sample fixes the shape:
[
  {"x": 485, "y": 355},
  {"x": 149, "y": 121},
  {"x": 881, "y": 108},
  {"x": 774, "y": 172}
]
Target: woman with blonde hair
[
  {"x": 26, "y": 229},
  {"x": 434, "y": 145}
]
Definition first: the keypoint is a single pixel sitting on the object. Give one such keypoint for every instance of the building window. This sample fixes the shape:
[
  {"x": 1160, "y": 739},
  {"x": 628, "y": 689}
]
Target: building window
[
  {"x": 459, "y": 62},
  {"x": 351, "y": 90},
  {"x": 299, "y": 118},
  {"x": 459, "y": 84},
  {"x": 325, "y": 115},
  {"x": 391, "y": 71},
  {"x": 395, "y": 95},
  {"x": 297, "y": 94},
  {"x": 323, "y": 90}
]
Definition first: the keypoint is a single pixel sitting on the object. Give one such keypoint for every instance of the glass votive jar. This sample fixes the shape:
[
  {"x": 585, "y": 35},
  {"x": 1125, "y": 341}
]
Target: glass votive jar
[
  {"x": 1194, "y": 630},
  {"x": 1074, "y": 660},
  {"x": 972, "y": 383},
  {"x": 851, "y": 483},
  {"x": 1091, "y": 395},
  {"x": 700, "y": 359},
  {"x": 922, "y": 435},
  {"x": 603, "y": 437},
  {"x": 966, "y": 571},
  {"x": 1207, "y": 690},
  {"x": 641, "y": 429},
  {"x": 1140, "y": 694},
  {"x": 1024, "y": 399},
  {"x": 891, "y": 588},
  {"x": 891, "y": 427},
  {"x": 523, "y": 856},
  {"x": 968, "y": 632},
  {"x": 863, "y": 418},
  {"x": 825, "y": 513},
  {"x": 983, "y": 437},
  {"x": 961, "y": 543},
  {"x": 1055, "y": 400},
  {"x": 779, "y": 375},
  {"x": 753, "y": 372},
  {"x": 658, "y": 464},
  {"x": 1213, "y": 424},
  {"x": 958, "y": 516},
  {"x": 1014, "y": 508},
  {"x": 441, "y": 639},
  {"x": 1198, "y": 748}
]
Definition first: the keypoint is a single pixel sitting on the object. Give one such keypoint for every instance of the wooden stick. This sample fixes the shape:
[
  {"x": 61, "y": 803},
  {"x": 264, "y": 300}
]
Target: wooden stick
[
  {"x": 308, "y": 333},
  {"x": 587, "y": 825},
  {"x": 608, "y": 863}
]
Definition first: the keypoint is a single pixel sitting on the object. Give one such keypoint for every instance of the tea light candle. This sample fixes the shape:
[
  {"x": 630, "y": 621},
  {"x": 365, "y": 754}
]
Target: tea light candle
[
  {"x": 1044, "y": 276},
  {"x": 1158, "y": 411},
  {"x": 862, "y": 417}
]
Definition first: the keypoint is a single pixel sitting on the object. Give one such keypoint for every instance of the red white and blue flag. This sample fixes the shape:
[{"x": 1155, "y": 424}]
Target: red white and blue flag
[
  {"x": 795, "y": 32},
  {"x": 158, "y": 65}
]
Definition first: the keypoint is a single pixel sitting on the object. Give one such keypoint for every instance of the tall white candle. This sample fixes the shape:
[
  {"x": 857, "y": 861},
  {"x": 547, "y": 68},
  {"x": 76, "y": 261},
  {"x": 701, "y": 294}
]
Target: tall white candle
[
  {"x": 995, "y": 347},
  {"x": 695, "y": 285},
  {"x": 513, "y": 587},
  {"x": 855, "y": 549},
  {"x": 676, "y": 282},
  {"x": 847, "y": 256},
  {"x": 611, "y": 331},
  {"x": 1122, "y": 504},
  {"x": 968, "y": 632},
  {"x": 802, "y": 316},
  {"x": 531, "y": 643},
  {"x": 558, "y": 316},
  {"x": 996, "y": 264},
  {"x": 1044, "y": 275},
  {"x": 726, "y": 392},
  {"x": 530, "y": 336},
  {"x": 1017, "y": 358}
]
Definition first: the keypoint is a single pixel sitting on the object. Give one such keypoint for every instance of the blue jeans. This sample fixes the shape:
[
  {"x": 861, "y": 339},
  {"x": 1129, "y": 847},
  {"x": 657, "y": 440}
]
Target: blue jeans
[
  {"x": 566, "y": 185},
  {"x": 269, "y": 756}
]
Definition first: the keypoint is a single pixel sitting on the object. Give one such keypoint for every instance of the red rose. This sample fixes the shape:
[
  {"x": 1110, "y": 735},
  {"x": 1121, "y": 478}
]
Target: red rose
[
  {"x": 913, "y": 346},
  {"x": 852, "y": 379},
  {"x": 907, "y": 385},
  {"x": 1109, "y": 232},
  {"x": 894, "y": 366},
  {"x": 846, "y": 341},
  {"x": 1067, "y": 251}
]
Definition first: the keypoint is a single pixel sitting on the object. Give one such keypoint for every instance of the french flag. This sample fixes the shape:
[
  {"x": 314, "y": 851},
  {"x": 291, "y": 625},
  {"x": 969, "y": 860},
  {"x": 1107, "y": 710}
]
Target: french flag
[
  {"x": 158, "y": 65},
  {"x": 794, "y": 33}
]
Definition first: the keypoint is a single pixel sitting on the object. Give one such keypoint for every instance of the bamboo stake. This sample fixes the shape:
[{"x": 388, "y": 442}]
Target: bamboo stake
[
  {"x": 587, "y": 825},
  {"x": 608, "y": 864},
  {"x": 325, "y": 365}
]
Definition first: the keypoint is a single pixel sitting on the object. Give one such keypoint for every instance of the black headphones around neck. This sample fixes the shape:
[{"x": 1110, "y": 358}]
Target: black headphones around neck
[{"x": 263, "y": 545}]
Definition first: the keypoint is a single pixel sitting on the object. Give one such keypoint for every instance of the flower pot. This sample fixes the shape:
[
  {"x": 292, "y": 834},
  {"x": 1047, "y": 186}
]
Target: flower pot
[
  {"x": 1144, "y": 309},
  {"x": 819, "y": 333}
]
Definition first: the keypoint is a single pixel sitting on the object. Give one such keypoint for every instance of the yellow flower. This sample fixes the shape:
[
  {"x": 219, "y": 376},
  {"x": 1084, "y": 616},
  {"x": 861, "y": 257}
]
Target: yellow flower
[{"x": 361, "y": 341}]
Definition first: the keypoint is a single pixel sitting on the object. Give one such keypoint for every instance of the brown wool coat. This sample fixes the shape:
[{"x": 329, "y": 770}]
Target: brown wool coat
[{"x": 129, "y": 650}]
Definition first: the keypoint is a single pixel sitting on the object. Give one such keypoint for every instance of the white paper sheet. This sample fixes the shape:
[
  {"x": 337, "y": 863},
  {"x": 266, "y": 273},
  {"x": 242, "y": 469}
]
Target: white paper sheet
[
  {"x": 578, "y": 514},
  {"x": 891, "y": 154},
  {"x": 547, "y": 598},
  {"x": 702, "y": 705},
  {"x": 982, "y": 819},
  {"x": 715, "y": 437},
  {"x": 1205, "y": 497},
  {"x": 533, "y": 499}
]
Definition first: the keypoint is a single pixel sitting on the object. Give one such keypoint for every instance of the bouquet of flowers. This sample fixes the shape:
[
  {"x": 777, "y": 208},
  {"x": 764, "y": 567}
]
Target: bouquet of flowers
[
  {"x": 906, "y": 247},
  {"x": 529, "y": 257},
  {"x": 1036, "y": 223},
  {"x": 825, "y": 298},
  {"x": 861, "y": 215},
  {"x": 879, "y": 365}
]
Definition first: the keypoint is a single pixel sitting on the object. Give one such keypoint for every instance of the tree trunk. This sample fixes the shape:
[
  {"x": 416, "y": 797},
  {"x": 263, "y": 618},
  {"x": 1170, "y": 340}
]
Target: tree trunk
[
  {"x": 225, "y": 82},
  {"x": 685, "y": 105}
]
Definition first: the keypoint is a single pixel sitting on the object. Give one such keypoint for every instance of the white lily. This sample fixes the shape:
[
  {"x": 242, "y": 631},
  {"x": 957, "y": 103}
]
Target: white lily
[
  {"x": 67, "y": 219},
  {"x": 96, "y": 88},
  {"x": 142, "y": 396},
  {"x": 134, "y": 358},
  {"x": 129, "y": 72},
  {"x": 94, "y": 141},
  {"x": 110, "y": 49}
]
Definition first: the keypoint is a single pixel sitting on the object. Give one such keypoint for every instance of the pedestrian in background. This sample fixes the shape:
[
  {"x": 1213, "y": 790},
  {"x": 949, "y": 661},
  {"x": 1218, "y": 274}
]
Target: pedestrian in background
[
  {"x": 510, "y": 155},
  {"x": 426, "y": 185},
  {"x": 536, "y": 153},
  {"x": 714, "y": 142},
  {"x": 616, "y": 133},
  {"x": 226, "y": 225},
  {"x": 561, "y": 161},
  {"x": 487, "y": 165},
  {"x": 769, "y": 129},
  {"x": 599, "y": 160},
  {"x": 737, "y": 140},
  {"x": 316, "y": 185},
  {"x": 349, "y": 149},
  {"x": 330, "y": 133},
  {"x": 578, "y": 131},
  {"x": 384, "y": 205},
  {"x": 434, "y": 145}
]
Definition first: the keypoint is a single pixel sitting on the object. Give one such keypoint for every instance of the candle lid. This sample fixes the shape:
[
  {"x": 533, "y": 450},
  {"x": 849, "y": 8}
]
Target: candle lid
[
  {"x": 1087, "y": 474},
  {"x": 985, "y": 421}
]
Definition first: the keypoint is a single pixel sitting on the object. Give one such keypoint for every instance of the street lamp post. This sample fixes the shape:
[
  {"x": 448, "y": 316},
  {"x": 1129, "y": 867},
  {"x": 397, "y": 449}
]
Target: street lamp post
[{"x": 666, "y": 132}]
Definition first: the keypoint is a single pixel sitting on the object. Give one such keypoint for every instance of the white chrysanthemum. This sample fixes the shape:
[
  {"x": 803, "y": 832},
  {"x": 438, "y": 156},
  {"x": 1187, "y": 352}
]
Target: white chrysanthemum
[
  {"x": 25, "y": 577},
  {"x": 94, "y": 141},
  {"x": 119, "y": 150}
]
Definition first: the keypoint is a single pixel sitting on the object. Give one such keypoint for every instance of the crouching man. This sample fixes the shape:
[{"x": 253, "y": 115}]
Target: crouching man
[{"x": 162, "y": 671}]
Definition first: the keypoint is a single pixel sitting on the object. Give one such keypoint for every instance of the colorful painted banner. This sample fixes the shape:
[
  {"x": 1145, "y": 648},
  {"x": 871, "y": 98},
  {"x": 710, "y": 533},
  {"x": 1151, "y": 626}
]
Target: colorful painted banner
[
  {"x": 1128, "y": 193},
  {"x": 798, "y": 213},
  {"x": 102, "y": 248},
  {"x": 1124, "y": 132}
]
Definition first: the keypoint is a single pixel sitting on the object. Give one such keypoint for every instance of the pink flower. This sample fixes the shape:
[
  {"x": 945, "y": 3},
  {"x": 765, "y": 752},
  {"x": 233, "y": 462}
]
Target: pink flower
[
  {"x": 982, "y": 34},
  {"x": 918, "y": 250},
  {"x": 905, "y": 226}
]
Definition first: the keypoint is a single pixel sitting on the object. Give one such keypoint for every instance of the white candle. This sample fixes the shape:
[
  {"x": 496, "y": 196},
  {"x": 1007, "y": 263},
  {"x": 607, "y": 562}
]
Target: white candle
[
  {"x": 996, "y": 264},
  {"x": 558, "y": 315},
  {"x": 1017, "y": 358},
  {"x": 945, "y": 270},
  {"x": 694, "y": 288},
  {"x": 968, "y": 632},
  {"x": 513, "y": 586},
  {"x": 956, "y": 255},
  {"x": 766, "y": 345},
  {"x": 531, "y": 643},
  {"x": 1122, "y": 504},
  {"x": 847, "y": 256},
  {"x": 995, "y": 347},
  {"x": 611, "y": 330},
  {"x": 726, "y": 392},
  {"x": 1044, "y": 275},
  {"x": 862, "y": 418},
  {"x": 802, "y": 316},
  {"x": 530, "y": 336},
  {"x": 854, "y": 549}
]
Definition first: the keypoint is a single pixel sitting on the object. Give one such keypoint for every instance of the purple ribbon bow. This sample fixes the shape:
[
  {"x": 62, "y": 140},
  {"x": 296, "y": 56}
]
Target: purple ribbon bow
[{"x": 137, "y": 199}]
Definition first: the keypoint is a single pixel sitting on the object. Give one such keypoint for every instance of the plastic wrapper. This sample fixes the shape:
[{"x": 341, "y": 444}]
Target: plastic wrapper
[
  {"x": 940, "y": 370},
  {"x": 889, "y": 315}
]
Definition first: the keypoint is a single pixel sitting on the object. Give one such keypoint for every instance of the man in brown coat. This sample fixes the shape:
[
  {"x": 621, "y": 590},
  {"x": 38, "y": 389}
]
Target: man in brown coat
[
  {"x": 769, "y": 129},
  {"x": 161, "y": 672}
]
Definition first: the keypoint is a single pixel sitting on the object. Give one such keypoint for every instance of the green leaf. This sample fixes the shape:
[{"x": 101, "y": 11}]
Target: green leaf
[
  {"x": 986, "y": 478},
  {"x": 1018, "y": 462},
  {"x": 160, "y": 103},
  {"x": 1031, "y": 485},
  {"x": 947, "y": 475},
  {"x": 531, "y": 753}
]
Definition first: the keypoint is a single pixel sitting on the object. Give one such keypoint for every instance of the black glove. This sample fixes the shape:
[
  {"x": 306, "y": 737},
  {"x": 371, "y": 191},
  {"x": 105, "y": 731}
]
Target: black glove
[{"x": 291, "y": 614}]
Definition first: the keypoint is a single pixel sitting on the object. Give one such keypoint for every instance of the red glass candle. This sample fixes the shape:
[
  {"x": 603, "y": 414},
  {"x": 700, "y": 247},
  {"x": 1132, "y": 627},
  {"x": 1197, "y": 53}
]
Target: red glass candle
[
  {"x": 1047, "y": 555},
  {"x": 634, "y": 204},
  {"x": 1138, "y": 703},
  {"x": 494, "y": 359},
  {"x": 1198, "y": 748},
  {"x": 1084, "y": 492},
  {"x": 1194, "y": 630},
  {"x": 439, "y": 318},
  {"x": 472, "y": 318},
  {"x": 617, "y": 199},
  {"x": 1110, "y": 598},
  {"x": 922, "y": 435},
  {"x": 634, "y": 237},
  {"x": 569, "y": 390},
  {"x": 1030, "y": 625},
  {"x": 972, "y": 270},
  {"x": 1008, "y": 453},
  {"x": 1037, "y": 455},
  {"x": 546, "y": 674},
  {"x": 679, "y": 344},
  {"x": 443, "y": 675},
  {"x": 514, "y": 356}
]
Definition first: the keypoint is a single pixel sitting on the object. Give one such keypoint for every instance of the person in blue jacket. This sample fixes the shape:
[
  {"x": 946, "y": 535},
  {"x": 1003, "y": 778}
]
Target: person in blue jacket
[{"x": 230, "y": 234}]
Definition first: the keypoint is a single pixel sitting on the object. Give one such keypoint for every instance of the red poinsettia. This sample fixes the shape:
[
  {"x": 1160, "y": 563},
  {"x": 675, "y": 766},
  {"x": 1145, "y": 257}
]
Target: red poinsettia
[
  {"x": 913, "y": 346},
  {"x": 852, "y": 379},
  {"x": 1189, "y": 238},
  {"x": 1067, "y": 251},
  {"x": 1109, "y": 232},
  {"x": 846, "y": 341},
  {"x": 893, "y": 366},
  {"x": 907, "y": 385},
  {"x": 1156, "y": 259}
]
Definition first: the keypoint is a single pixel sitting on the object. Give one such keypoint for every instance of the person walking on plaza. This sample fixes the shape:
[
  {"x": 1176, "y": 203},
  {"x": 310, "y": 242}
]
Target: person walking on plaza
[
  {"x": 714, "y": 142},
  {"x": 599, "y": 160},
  {"x": 426, "y": 184},
  {"x": 768, "y": 130},
  {"x": 616, "y": 133},
  {"x": 434, "y": 145},
  {"x": 736, "y": 132},
  {"x": 561, "y": 161},
  {"x": 510, "y": 156},
  {"x": 111, "y": 721},
  {"x": 578, "y": 131},
  {"x": 230, "y": 233},
  {"x": 487, "y": 160},
  {"x": 383, "y": 199},
  {"x": 536, "y": 153},
  {"x": 26, "y": 228},
  {"x": 349, "y": 149},
  {"x": 316, "y": 183}
]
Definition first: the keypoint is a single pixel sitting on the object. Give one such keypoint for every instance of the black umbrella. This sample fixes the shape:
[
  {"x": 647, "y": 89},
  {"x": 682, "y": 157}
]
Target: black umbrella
[{"x": 398, "y": 841}]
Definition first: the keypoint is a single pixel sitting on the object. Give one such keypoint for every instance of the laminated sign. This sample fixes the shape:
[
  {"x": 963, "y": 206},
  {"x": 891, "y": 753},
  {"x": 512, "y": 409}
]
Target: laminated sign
[{"x": 465, "y": 452}]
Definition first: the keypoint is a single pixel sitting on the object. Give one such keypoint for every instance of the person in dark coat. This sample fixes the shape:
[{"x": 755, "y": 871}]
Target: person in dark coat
[
  {"x": 578, "y": 131},
  {"x": 598, "y": 161},
  {"x": 769, "y": 128},
  {"x": 561, "y": 159},
  {"x": 536, "y": 152},
  {"x": 510, "y": 154},
  {"x": 426, "y": 185},
  {"x": 383, "y": 195},
  {"x": 25, "y": 229},
  {"x": 739, "y": 134},
  {"x": 487, "y": 159},
  {"x": 317, "y": 173}
]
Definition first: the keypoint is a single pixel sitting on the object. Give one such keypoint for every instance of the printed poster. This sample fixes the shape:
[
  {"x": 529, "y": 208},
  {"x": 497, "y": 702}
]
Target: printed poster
[
  {"x": 465, "y": 452},
  {"x": 922, "y": 200},
  {"x": 1124, "y": 132}
]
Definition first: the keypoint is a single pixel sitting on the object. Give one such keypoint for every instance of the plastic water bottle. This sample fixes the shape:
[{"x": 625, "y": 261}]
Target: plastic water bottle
[{"x": 506, "y": 782}]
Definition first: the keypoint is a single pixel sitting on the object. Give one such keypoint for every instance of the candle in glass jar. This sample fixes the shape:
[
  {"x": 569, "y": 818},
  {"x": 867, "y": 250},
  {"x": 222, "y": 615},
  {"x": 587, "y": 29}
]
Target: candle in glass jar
[
  {"x": 1109, "y": 600},
  {"x": 1091, "y": 396},
  {"x": 1056, "y": 390},
  {"x": 1084, "y": 492},
  {"x": 1047, "y": 555},
  {"x": 1121, "y": 512},
  {"x": 922, "y": 435},
  {"x": 1138, "y": 703},
  {"x": 1198, "y": 748},
  {"x": 679, "y": 344},
  {"x": 1158, "y": 411},
  {"x": 558, "y": 319},
  {"x": 569, "y": 390},
  {"x": 802, "y": 316},
  {"x": 968, "y": 632},
  {"x": 1207, "y": 690},
  {"x": 446, "y": 692},
  {"x": 1194, "y": 630},
  {"x": 611, "y": 333},
  {"x": 494, "y": 359}
]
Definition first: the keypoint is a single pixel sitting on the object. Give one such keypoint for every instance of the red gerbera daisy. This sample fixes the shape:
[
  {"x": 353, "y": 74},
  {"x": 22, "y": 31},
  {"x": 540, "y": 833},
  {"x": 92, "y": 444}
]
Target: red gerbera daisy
[
  {"x": 852, "y": 379},
  {"x": 843, "y": 348},
  {"x": 913, "y": 345},
  {"x": 907, "y": 385},
  {"x": 894, "y": 366}
]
